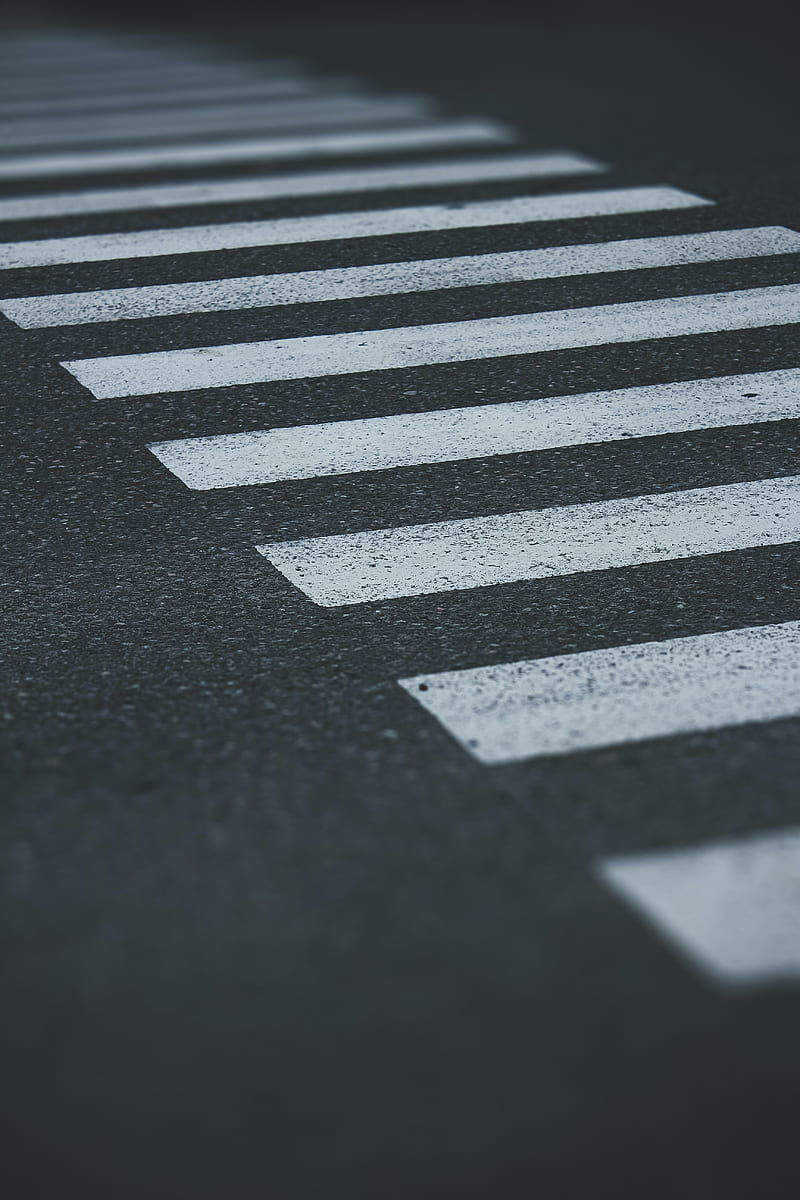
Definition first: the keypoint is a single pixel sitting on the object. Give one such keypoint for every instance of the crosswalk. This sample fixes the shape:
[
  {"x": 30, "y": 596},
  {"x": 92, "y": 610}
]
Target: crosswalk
[{"x": 101, "y": 109}]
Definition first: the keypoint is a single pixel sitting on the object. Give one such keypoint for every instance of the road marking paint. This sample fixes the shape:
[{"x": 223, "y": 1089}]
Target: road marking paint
[
  {"x": 102, "y": 73},
  {"x": 447, "y": 435},
  {"x": 424, "y": 345},
  {"x": 458, "y": 132},
  {"x": 46, "y": 48},
  {"x": 45, "y": 60},
  {"x": 318, "y": 183},
  {"x": 80, "y": 86},
  {"x": 574, "y": 702},
  {"x": 88, "y": 80},
  {"x": 417, "y": 560},
  {"x": 316, "y": 113},
  {"x": 139, "y": 103},
  {"x": 384, "y": 279},
  {"x": 195, "y": 113},
  {"x": 732, "y": 907},
  {"x": 40, "y": 55},
  {"x": 44, "y": 53},
  {"x": 379, "y": 222}
]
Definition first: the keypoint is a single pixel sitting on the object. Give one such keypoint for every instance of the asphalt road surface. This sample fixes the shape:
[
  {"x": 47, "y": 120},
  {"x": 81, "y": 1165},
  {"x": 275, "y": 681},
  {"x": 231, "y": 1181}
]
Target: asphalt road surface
[{"x": 400, "y": 709}]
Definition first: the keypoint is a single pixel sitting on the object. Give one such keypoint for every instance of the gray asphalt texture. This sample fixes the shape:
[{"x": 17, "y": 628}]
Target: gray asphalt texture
[{"x": 269, "y": 932}]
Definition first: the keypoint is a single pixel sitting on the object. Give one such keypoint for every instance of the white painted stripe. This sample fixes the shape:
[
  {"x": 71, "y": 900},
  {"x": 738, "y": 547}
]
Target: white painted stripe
[
  {"x": 44, "y": 57},
  {"x": 35, "y": 63},
  {"x": 58, "y": 42},
  {"x": 386, "y": 141},
  {"x": 83, "y": 80},
  {"x": 574, "y": 702},
  {"x": 381, "y": 222},
  {"x": 196, "y": 114},
  {"x": 318, "y": 183},
  {"x": 55, "y": 39},
  {"x": 83, "y": 86},
  {"x": 181, "y": 51},
  {"x": 446, "y": 435},
  {"x": 317, "y": 112},
  {"x": 39, "y": 61},
  {"x": 417, "y": 560},
  {"x": 55, "y": 44},
  {"x": 47, "y": 51},
  {"x": 732, "y": 908},
  {"x": 108, "y": 64},
  {"x": 424, "y": 345},
  {"x": 38, "y": 108},
  {"x": 383, "y": 279},
  {"x": 36, "y": 66},
  {"x": 128, "y": 86}
]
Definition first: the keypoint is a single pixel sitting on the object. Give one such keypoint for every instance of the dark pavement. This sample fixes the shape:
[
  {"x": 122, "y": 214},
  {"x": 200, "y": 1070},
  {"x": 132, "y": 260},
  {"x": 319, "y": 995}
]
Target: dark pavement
[{"x": 269, "y": 931}]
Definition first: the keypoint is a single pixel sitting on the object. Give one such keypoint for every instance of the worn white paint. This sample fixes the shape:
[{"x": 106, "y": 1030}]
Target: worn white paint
[
  {"x": 379, "y": 222},
  {"x": 408, "y": 439},
  {"x": 183, "y": 107},
  {"x": 732, "y": 907},
  {"x": 421, "y": 345},
  {"x": 444, "y": 556},
  {"x": 575, "y": 702},
  {"x": 316, "y": 112},
  {"x": 74, "y": 79},
  {"x": 37, "y": 65},
  {"x": 138, "y": 103},
  {"x": 385, "y": 279},
  {"x": 258, "y": 149},
  {"x": 441, "y": 173},
  {"x": 37, "y": 56}
]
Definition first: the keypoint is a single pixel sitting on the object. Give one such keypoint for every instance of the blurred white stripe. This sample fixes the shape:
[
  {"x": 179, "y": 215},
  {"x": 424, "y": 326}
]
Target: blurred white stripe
[
  {"x": 328, "y": 145},
  {"x": 446, "y": 173},
  {"x": 136, "y": 102},
  {"x": 731, "y": 907},
  {"x": 316, "y": 112}
]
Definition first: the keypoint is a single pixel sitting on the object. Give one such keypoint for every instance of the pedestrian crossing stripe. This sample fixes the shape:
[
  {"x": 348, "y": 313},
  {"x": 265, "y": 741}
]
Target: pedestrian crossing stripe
[
  {"x": 443, "y": 556},
  {"x": 391, "y": 279},
  {"x": 455, "y": 434},
  {"x": 458, "y": 132},
  {"x": 577, "y": 702},
  {"x": 101, "y": 104},
  {"x": 730, "y": 907},
  {"x": 318, "y": 112},
  {"x": 198, "y": 110},
  {"x": 55, "y": 82},
  {"x": 378, "y": 222},
  {"x": 426, "y": 345},
  {"x": 497, "y": 168}
]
